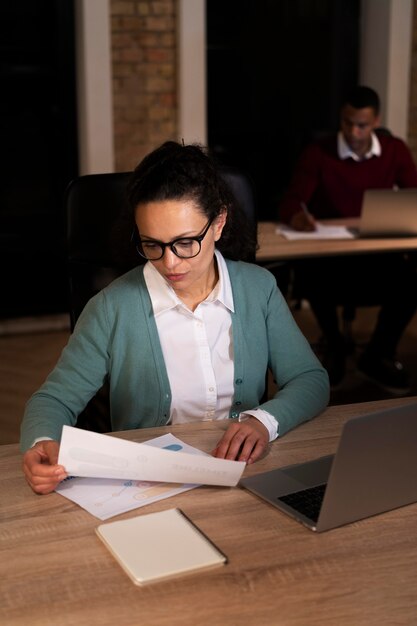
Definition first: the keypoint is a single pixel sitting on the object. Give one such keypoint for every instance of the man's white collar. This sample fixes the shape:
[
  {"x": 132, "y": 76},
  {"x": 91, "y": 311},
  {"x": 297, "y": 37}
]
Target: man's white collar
[{"x": 345, "y": 152}]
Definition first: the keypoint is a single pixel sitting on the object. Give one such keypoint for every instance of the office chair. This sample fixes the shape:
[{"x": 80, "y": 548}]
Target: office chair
[
  {"x": 94, "y": 206},
  {"x": 98, "y": 249},
  {"x": 244, "y": 191}
]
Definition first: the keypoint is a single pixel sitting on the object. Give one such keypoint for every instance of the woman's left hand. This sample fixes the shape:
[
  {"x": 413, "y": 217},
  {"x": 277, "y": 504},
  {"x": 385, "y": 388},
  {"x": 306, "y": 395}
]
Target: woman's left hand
[{"x": 243, "y": 441}]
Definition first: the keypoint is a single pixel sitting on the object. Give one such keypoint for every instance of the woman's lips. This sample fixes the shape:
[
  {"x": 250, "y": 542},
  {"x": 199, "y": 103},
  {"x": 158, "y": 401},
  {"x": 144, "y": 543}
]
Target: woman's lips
[{"x": 173, "y": 278}]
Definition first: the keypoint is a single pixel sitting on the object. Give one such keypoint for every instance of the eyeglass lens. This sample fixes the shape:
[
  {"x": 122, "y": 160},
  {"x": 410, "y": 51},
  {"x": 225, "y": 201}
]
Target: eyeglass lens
[{"x": 184, "y": 248}]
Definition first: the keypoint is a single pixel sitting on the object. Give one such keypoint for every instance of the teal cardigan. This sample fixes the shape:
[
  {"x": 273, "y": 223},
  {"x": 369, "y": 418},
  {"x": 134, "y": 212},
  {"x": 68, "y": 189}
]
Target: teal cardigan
[{"x": 116, "y": 338}]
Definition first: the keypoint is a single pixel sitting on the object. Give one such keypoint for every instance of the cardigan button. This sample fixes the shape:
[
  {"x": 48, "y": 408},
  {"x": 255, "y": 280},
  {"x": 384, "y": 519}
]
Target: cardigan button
[
  {"x": 238, "y": 381},
  {"x": 234, "y": 414}
]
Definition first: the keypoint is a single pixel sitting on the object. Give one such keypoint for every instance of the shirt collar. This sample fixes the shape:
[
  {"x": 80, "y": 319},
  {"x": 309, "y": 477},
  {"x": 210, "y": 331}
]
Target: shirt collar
[
  {"x": 345, "y": 152},
  {"x": 164, "y": 298}
]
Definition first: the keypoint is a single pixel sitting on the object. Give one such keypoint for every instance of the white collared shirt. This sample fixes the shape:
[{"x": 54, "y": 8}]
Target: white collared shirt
[
  {"x": 198, "y": 350},
  {"x": 344, "y": 151}
]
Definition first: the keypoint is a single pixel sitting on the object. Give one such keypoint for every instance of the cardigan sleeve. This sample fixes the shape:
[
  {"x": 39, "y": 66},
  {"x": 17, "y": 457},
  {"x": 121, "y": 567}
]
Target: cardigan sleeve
[
  {"x": 267, "y": 336},
  {"x": 79, "y": 373},
  {"x": 303, "y": 383}
]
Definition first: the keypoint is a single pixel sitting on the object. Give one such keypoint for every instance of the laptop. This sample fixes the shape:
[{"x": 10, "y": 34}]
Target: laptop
[
  {"x": 388, "y": 213},
  {"x": 374, "y": 470}
]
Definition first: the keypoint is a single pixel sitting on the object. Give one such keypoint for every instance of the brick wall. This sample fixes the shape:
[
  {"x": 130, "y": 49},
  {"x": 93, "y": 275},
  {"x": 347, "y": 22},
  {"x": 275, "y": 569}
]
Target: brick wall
[{"x": 143, "y": 35}]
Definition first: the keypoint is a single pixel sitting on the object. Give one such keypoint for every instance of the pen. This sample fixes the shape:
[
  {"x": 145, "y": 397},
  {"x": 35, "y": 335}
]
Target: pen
[
  {"x": 310, "y": 218},
  {"x": 304, "y": 207}
]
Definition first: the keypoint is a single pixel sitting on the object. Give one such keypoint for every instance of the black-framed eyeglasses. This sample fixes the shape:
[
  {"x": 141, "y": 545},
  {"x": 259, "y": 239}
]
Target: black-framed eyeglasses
[{"x": 183, "y": 247}]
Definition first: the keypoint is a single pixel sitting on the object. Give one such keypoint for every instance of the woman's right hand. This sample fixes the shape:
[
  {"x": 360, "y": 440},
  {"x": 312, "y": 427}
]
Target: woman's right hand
[{"x": 40, "y": 467}]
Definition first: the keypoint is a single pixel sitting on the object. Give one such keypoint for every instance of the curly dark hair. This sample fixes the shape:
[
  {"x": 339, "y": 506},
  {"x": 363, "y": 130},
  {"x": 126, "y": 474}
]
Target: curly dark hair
[{"x": 174, "y": 171}]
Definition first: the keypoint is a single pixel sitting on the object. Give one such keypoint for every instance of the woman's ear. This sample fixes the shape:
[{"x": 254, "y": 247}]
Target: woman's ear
[{"x": 219, "y": 224}]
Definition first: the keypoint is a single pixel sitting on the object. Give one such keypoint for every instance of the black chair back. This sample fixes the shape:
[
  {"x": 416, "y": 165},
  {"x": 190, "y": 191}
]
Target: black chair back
[
  {"x": 242, "y": 189},
  {"x": 94, "y": 206}
]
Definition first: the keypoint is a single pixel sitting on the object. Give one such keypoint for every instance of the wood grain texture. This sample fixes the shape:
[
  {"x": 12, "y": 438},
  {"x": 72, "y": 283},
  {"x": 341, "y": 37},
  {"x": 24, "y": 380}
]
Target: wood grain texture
[
  {"x": 54, "y": 570},
  {"x": 274, "y": 247},
  {"x": 25, "y": 362}
]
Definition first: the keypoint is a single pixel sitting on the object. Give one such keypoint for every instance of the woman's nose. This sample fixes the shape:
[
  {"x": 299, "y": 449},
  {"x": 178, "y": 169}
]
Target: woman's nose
[{"x": 170, "y": 259}]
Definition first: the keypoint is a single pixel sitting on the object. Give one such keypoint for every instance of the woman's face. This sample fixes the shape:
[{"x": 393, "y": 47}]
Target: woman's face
[{"x": 166, "y": 220}]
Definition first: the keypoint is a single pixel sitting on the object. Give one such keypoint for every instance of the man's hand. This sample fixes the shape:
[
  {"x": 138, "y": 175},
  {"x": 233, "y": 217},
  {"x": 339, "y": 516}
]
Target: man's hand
[
  {"x": 40, "y": 467},
  {"x": 303, "y": 220},
  {"x": 243, "y": 441}
]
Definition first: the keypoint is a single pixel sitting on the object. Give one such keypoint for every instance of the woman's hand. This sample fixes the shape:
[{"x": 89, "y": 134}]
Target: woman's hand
[
  {"x": 243, "y": 441},
  {"x": 40, "y": 466}
]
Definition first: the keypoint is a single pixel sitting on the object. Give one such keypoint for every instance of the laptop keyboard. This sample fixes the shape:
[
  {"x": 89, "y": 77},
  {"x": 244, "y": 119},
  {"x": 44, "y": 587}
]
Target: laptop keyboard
[{"x": 308, "y": 501}]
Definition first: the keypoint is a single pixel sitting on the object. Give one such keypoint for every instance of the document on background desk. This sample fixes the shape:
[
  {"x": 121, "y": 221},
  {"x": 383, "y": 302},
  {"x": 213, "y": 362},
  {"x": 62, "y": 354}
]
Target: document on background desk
[{"x": 323, "y": 231}]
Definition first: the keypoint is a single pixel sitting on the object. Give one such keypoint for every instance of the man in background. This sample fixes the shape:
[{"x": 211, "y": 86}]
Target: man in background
[{"x": 329, "y": 181}]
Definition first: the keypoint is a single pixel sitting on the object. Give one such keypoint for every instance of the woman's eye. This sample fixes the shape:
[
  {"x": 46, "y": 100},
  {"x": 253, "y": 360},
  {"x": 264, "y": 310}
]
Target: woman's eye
[
  {"x": 185, "y": 243},
  {"x": 147, "y": 245}
]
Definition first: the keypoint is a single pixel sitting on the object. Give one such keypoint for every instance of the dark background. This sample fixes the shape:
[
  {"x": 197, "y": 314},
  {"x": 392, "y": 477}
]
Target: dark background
[
  {"x": 39, "y": 152},
  {"x": 277, "y": 70}
]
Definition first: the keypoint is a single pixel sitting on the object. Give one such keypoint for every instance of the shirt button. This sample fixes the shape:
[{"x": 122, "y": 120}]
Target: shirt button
[{"x": 211, "y": 388}]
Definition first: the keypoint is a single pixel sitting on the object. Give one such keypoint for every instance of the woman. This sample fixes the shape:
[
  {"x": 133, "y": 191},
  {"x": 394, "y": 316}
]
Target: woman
[{"x": 186, "y": 337}]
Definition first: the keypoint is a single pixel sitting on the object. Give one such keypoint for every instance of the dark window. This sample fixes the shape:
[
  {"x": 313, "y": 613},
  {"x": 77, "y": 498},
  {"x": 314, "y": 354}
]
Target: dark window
[
  {"x": 277, "y": 71},
  {"x": 39, "y": 152}
]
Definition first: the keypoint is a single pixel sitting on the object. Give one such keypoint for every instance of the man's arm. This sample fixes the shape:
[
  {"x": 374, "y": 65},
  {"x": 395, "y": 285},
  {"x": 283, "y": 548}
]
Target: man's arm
[{"x": 293, "y": 209}]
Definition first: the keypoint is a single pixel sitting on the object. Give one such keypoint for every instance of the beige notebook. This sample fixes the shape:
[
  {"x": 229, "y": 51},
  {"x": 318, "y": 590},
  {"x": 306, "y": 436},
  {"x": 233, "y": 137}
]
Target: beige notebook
[{"x": 159, "y": 545}]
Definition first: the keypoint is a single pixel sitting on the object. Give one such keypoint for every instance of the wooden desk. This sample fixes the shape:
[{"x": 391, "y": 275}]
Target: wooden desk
[
  {"x": 55, "y": 571},
  {"x": 274, "y": 247}
]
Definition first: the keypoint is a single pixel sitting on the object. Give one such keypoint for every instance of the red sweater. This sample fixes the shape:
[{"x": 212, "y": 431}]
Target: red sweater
[{"x": 331, "y": 187}]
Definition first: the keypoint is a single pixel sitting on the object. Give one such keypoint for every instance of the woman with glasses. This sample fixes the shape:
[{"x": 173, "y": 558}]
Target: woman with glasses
[{"x": 189, "y": 335}]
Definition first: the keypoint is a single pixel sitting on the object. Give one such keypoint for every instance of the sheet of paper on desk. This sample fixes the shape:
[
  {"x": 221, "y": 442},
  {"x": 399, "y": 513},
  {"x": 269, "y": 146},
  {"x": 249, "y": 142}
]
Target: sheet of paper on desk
[
  {"x": 323, "y": 231},
  {"x": 85, "y": 453},
  {"x": 104, "y": 497}
]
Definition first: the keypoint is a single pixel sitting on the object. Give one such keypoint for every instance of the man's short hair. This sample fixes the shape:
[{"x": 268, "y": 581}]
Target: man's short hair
[{"x": 362, "y": 97}]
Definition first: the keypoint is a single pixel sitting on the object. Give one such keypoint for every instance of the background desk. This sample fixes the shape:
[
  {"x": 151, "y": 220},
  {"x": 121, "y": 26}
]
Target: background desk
[
  {"x": 274, "y": 247},
  {"x": 55, "y": 571}
]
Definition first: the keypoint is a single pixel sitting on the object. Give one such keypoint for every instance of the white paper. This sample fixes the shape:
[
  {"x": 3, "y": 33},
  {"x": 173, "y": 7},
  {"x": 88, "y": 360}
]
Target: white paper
[
  {"x": 105, "y": 497},
  {"x": 323, "y": 231},
  {"x": 85, "y": 453}
]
